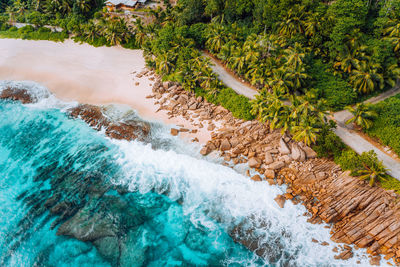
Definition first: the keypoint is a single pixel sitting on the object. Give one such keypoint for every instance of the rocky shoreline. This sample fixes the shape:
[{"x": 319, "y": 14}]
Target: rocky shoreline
[
  {"x": 365, "y": 216},
  {"x": 368, "y": 217}
]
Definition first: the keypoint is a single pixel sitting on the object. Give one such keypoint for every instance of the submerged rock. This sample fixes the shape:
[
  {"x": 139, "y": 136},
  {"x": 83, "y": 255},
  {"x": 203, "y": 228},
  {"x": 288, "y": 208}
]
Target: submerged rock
[{"x": 16, "y": 95}]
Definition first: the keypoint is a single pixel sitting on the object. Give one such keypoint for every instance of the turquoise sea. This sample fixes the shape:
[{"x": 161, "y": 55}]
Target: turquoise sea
[{"x": 70, "y": 196}]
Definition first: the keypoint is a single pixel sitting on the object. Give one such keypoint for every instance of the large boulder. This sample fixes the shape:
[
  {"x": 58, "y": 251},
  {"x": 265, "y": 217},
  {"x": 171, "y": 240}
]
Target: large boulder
[
  {"x": 225, "y": 145},
  {"x": 283, "y": 147},
  {"x": 277, "y": 165},
  {"x": 268, "y": 158},
  {"x": 205, "y": 151},
  {"x": 254, "y": 163},
  {"x": 269, "y": 174},
  {"x": 297, "y": 153},
  {"x": 280, "y": 200},
  {"x": 309, "y": 152}
]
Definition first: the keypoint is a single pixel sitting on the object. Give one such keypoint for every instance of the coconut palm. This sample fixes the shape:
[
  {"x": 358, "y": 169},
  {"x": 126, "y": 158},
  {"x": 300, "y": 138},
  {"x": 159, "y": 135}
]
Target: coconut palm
[
  {"x": 366, "y": 79},
  {"x": 20, "y": 7},
  {"x": 280, "y": 79},
  {"x": 312, "y": 25},
  {"x": 298, "y": 77},
  {"x": 216, "y": 38},
  {"x": 164, "y": 63},
  {"x": 392, "y": 33},
  {"x": 83, "y": 5},
  {"x": 363, "y": 115},
  {"x": 91, "y": 31},
  {"x": 294, "y": 56},
  {"x": 391, "y": 74},
  {"x": 306, "y": 132},
  {"x": 11, "y": 11},
  {"x": 238, "y": 60},
  {"x": 372, "y": 169},
  {"x": 292, "y": 23}
]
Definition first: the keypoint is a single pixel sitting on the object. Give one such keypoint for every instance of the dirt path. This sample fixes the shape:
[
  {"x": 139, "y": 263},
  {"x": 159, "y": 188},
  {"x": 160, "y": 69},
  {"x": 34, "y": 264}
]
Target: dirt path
[
  {"x": 348, "y": 136},
  {"x": 230, "y": 80}
]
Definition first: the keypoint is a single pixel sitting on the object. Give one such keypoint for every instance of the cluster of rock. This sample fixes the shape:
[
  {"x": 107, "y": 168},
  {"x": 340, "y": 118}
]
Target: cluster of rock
[
  {"x": 16, "y": 94},
  {"x": 362, "y": 215},
  {"x": 127, "y": 130},
  {"x": 368, "y": 217}
]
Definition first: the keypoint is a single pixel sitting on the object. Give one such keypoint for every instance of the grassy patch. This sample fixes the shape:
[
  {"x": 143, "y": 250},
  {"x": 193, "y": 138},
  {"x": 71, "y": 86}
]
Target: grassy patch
[{"x": 387, "y": 125}]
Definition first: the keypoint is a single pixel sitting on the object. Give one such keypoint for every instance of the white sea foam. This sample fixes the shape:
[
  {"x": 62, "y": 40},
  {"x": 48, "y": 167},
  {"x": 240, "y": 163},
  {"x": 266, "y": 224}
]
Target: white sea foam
[
  {"x": 222, "y": 193},
  {"x": 209, "y": 190}
]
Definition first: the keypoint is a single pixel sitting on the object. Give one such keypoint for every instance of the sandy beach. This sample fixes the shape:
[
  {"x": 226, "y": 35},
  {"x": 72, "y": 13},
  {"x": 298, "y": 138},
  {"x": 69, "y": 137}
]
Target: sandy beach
[{"x": 80, "y": 72}]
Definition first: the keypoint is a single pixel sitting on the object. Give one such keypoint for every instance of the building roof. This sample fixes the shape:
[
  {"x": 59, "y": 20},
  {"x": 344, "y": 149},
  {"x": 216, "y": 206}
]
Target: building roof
[{"x": 125, "y": 2}]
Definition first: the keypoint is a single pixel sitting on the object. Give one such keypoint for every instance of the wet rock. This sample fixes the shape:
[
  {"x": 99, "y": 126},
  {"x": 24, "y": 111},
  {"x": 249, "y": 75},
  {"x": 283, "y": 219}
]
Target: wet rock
[
  {"x": 280, "y": 200},
  {"x": 174, "y": 131},
  {"x": 256, "y": 178},
  {"x": 16, "y": 94},
  {"x": 254, "y": 163},
  {"x": 205, "y": 151},
  {"x": 269, "y": 174}
]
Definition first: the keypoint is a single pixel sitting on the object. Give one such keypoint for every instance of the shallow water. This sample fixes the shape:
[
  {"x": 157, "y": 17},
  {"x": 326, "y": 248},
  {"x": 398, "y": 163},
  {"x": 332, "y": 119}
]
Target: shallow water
[{"x": 153, "y": 203}]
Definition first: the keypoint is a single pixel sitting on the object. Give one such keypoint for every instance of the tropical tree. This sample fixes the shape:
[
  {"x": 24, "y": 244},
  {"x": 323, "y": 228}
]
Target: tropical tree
[
  {"x": 91, "y": 31},
  {"x": 294, "y": 56},
  {"x": 292, "y": 23},
  {"x": 298, "y": 77},
  {"x": 164, "y": 63},
  {"x": 392, "y": 34},
  {"x": 366, "y": 79},
  {"x": 116, "y": 31},
  {"x": 238, "y": 60},
  {"x": 371, "y": 168},
  {"x": 306, "y": 132},
  {"x": 20, "y": 7},
  {"x": 83, "y": 5},
  {"x": 216, "y": 37},
  {"x": 11, "y": 11},
  {"x": 280, "y": 80},
  {"x": 363, "y": 115}
]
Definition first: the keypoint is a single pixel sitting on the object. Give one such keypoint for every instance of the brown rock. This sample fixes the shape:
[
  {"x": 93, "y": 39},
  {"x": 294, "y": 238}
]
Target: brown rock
[
  {"x": 16, "y": 94},
  {"x": 324, "y": 243},
  {"x": 225, "y": 145},
  {"x": 280, "y": 200},
  {"x": 311, "y": 154},
  {"x": 256, "y": 178},
  {"x": 268, "y": 158},
  {"x": 276, "y": 165},
  {"x": 314, "y": 210},
  {"x": 174, "y": 131},
  {"x": 283, "y": 147},
  {"x": 254, "y": 163},
  {"x": 166, "y": 85},
  {"x": 205, "y": 151},
  {"x": 375, "y": 260},
  {"x": 297, "y": 153},
  {"x": 314, "y": 240},
  {"x": 269, "y": 174}
]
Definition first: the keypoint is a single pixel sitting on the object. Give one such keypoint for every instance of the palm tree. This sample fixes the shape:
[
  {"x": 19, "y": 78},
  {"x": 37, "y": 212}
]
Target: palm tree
[
  {"x": 11, "y": 11},
  {"x": 20, "y": 7},
  {"x": 238, "y": 60},
  {"x": 391, "y": 74},
  {"x": 392, "y": 33},
  {"x": 363, "y": 115},
  {"x": 91, "y": 31},
  {"x": 280, "y": 79},
  {"x": 216, "y": 38},
  {"x": 297, "y": 76},
  {"x": 372, "y": 169},
  {"x": 306, "y": 132},
  {"x": 366, "y": 78},
  {"x": 294, "y": 56},
  {"x": 164, "y": 64},
  {"x": 312, "y": 24},
  {"x": 83, "y": 5},
  {"x": 116, "y": 31},
  {"x": 292, "y": 23}
]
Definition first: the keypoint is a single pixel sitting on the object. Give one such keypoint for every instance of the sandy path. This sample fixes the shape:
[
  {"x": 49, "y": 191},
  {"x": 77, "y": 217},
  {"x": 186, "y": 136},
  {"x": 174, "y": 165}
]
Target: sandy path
[{"x": 86, "y": 74}]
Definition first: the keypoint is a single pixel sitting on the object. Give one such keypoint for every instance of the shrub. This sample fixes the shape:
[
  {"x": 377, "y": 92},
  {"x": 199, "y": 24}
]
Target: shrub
[
  {"x": 26, "y": 29},
  {"x": 337, "y": 92}
]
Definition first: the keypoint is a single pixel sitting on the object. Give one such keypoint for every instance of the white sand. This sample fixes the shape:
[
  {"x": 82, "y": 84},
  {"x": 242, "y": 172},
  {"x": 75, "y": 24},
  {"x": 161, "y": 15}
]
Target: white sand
[{"x": 86, "y": 74}]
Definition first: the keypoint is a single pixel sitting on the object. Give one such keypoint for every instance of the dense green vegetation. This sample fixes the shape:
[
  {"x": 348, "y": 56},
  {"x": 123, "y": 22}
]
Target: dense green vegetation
[
  {"x": 305, "y": 57},
  {"x": 386, "y": 126}
]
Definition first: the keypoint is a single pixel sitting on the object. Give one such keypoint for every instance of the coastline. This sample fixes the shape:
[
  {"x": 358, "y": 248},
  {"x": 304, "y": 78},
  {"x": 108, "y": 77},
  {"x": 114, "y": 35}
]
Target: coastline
[
  {"x": 84, "y": 86},
  {"x": 86, "y": 74}
]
